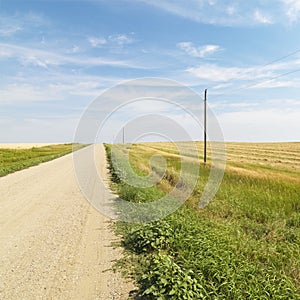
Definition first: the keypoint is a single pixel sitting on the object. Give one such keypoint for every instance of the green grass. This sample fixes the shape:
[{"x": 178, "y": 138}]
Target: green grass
[
  {"x": 12, "y": 160},
  {"x": 244, "y": 245}
]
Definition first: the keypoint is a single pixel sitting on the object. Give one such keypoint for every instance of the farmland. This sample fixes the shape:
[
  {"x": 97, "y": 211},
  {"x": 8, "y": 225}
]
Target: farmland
[
  {"x": 15, "y": 159},
  {"x": 243, "y": 245}
]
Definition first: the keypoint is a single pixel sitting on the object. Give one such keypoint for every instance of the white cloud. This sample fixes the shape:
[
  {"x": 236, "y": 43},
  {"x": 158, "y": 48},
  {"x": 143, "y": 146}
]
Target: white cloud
[
  {"x": 285, "y": 103},
  {"x": 5, "y": 53},
  {"x": 222, "y": 86},
  {"x": 9, "y": 30},
  {"x": 201, "y": 52},
  {"x": 231, "y": 12},
  {"x": 292, "y": 9},
  {"x": 58, "y": 86},
  {"x": 45, "y": 59},
  {"x": 266, "y": 124},
  {"x": 121, "y": 39},
  {"x": 75, "y": 49},
  {"x": 227, "y": 12},
  {"x": 233, "y": 106},
  {"x": 97, "y": 42},
  {"x": 277, "y": 84},
  {"x": 118, "y": 39},
  {"x": 11, "y": 24},
  {"x": 212, "y": 72},
  {"x": 263, "y": 18},
  {"x": 32, "y": 60},
  {"x": 16, "y": 93},
  {"x": 254, "y": 75}
]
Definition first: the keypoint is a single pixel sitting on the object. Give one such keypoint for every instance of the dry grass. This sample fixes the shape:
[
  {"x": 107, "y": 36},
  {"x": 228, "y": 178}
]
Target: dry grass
[
  {"x": 277, "y": 161},
  {"x": 243, "y": 245},
  {"x": 24, "y": 145}
]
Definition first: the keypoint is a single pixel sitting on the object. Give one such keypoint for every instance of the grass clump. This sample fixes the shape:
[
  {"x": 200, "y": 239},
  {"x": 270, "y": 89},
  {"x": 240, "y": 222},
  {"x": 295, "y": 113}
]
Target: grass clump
[{"x": 244, "y": 245}]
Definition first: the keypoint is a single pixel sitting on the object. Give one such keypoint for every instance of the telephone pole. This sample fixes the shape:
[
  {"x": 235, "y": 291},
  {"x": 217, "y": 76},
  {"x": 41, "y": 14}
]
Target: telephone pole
[
  {"x": 205, "y": 137},
  {"x": 124, "y": 135}
]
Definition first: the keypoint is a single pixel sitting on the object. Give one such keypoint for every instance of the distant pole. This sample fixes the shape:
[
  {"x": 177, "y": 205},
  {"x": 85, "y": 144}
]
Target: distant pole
[
  {"x": 124, "y": 135},
  {"x": 205, "y": 137}
]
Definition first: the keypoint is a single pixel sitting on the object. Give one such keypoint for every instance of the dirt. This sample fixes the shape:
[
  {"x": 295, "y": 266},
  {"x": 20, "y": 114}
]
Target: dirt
[{"x": 54, "y": 244}]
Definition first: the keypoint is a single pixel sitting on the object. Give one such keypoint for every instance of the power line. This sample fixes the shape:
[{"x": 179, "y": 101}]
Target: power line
[
  {"x": 267, "y": 64},
  {"x": 257, "y": 84},
  {"x": 259, "y": 68},
  {"x": 281, "y": 58},
  {"x": 271, "y": 79}
]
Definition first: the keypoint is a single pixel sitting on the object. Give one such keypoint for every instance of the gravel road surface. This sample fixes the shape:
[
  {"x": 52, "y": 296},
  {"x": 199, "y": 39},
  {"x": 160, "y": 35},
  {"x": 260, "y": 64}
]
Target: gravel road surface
[{"x": 53, "y": 243}]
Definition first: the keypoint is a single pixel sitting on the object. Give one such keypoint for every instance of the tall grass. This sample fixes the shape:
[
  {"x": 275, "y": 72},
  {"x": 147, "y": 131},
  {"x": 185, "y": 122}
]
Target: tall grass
[{"x": 244, "y": 245}]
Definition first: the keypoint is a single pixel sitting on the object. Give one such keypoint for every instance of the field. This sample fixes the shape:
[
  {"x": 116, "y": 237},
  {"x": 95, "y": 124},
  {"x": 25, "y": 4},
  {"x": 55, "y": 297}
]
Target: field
[
  {"x": 244, "y": 245},
  {"x": 17, "y": 157}
]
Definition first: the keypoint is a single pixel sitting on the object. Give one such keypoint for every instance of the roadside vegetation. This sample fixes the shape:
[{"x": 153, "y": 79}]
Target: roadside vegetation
[
  {"x": 244, "y": 245},
  {"x": 12, "y": 160}
]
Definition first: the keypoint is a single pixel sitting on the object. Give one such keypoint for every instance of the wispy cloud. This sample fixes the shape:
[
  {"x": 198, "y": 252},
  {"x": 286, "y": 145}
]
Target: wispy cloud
[
  {"x": 36, "y": 61},
  {"x": 74, "y": 49},
  {"x": 277, "y": 84},
  {"x": 292, "y": 9},
  {"x": 121, "y": 39},
  {"x": 201, "y": 51},
  {"x": 9, "y": 26},
  {"x": 12, "y": 24},
  {"x": 57, "y": 85},
  {"x": 97, "y": 42},
  {"x": 113, "y": 40},
  {"x": 8, "y": 30},
  {"x": 199, "y": 11},
  {"x": 263, "y": 18},
  {"x": 215, "y": 73},
  {"x": 31, "y": 92},
  {"x": 230, "y": 12},
  {"x": 42, "y": 58},
  {"x": 221, "y": 74},
  {"x": 16, "y": 93}
]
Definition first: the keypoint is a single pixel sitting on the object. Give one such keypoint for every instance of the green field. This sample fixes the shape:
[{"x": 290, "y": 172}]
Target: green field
[
  {"x": 12, "y": 160},
  {"x": 244, "y": 245}
]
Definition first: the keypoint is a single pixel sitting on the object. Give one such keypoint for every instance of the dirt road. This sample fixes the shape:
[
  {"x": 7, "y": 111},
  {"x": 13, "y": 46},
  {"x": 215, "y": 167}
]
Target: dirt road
[{"x": 53, "y": 243}]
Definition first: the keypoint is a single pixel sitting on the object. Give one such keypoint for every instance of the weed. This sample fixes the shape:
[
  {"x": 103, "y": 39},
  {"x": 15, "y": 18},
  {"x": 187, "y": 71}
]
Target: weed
[{"x": 244, "y": 245}]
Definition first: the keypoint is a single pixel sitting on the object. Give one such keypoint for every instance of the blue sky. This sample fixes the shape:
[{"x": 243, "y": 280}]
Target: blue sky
[{"x": 57, "y": 56}]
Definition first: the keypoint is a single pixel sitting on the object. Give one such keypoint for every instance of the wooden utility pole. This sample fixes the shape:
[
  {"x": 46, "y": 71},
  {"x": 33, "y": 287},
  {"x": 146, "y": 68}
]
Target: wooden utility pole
[{"x": 205, "y": 137}]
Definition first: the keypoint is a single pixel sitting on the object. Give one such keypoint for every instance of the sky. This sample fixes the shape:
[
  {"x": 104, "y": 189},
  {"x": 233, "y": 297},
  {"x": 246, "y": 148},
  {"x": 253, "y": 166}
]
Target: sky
[{"x": 57, "y": 57}]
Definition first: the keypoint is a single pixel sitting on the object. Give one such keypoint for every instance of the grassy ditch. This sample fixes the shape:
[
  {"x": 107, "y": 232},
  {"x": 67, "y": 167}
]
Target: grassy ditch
[
  {"x": 12, "y": 160},
  {"x": 244, "y": 245}
]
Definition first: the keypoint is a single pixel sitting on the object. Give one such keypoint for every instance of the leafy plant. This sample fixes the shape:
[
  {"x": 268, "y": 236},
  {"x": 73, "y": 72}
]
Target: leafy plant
[
  {"x": 165, "y": 279},
  {"x": 244, "y": 245},
  {"x": 153, "y": 236}
]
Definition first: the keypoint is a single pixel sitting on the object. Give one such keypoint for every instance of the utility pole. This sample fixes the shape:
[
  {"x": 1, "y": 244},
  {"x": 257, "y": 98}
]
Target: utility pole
[
  {"x": 205, "y": 137},
  {"x": 124, "y": 135}
]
